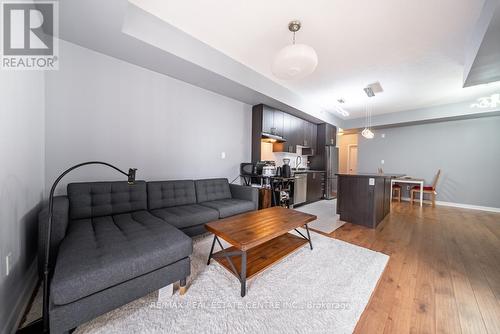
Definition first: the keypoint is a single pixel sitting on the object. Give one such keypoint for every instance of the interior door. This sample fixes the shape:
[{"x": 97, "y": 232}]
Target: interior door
[{"x": 352, "y": 159}]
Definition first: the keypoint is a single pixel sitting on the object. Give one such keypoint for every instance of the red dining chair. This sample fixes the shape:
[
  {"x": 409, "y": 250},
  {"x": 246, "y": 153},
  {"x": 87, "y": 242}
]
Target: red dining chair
[
  {"x": 396, "y": 189},
  {"x": 427, "y": 190}
]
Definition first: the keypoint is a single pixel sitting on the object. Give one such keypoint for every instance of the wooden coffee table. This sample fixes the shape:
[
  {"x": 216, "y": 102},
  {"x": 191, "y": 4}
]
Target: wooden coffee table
[{"x": 258, "y": 240}]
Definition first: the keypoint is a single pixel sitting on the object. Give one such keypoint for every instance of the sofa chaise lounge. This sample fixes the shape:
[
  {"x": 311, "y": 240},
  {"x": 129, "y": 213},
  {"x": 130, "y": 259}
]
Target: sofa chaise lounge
[{"x": 113, "y": 242}]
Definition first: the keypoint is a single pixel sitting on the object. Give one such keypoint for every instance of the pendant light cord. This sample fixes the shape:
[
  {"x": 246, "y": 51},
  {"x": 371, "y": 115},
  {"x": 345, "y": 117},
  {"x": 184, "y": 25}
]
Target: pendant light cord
[{"x": 366, "y": 114}]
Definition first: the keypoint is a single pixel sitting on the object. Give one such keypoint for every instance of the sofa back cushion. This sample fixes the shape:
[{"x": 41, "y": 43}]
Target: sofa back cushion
[
  {"x": 164, "y": 194},
  {"x": 212, "y": 189},
  {"x": 97, "y": 199}
]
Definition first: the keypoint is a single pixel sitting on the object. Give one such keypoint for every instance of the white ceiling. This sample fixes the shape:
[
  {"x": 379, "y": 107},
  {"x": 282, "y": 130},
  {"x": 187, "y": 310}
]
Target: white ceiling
[{"x": 415, "y": 49}]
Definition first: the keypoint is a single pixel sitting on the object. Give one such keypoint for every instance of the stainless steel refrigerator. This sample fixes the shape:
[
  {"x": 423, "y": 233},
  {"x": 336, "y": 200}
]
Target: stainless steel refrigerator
[{"x": 331, "y": 167}]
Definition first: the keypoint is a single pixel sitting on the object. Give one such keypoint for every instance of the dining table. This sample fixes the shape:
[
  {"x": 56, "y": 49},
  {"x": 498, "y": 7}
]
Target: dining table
[{"x": 410, "y": 180}]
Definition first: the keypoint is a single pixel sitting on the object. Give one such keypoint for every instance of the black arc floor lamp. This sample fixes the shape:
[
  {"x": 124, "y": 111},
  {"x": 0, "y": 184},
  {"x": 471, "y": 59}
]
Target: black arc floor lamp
[{"x": 42, "y": 325}]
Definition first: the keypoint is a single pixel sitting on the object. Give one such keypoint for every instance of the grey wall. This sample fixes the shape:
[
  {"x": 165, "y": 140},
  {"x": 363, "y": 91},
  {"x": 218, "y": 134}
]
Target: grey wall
[
  {"x": 21, "y": 186},
  {"x": 101, "y": 108},
  {"x": 466, "y": 151}
]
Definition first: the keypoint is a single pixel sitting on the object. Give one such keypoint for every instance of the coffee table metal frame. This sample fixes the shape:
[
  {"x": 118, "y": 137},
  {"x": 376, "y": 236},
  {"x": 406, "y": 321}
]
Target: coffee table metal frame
[{"x": 242, "y": 276}]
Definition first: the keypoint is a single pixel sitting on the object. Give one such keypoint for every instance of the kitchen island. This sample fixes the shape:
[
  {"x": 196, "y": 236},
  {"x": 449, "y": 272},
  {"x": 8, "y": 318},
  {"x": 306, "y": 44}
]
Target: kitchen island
[{"x": 364, "y": 199}]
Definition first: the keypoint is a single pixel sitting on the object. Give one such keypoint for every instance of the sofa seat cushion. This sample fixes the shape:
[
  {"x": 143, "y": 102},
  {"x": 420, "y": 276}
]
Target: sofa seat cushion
[
  {"x": 98, "y": 253},
  {"x": 186, "y": 215},
  {"x": 230, "y": 207}
]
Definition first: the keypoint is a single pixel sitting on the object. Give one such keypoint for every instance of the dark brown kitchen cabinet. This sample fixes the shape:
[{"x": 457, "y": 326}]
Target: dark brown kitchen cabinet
[
  {"x": 315, "y": 184},
  {"x": 306, "y": 133},
  {"x": 272, "y": 121},
  {"x": 278, "y": 120},
  {"x": 298, "y": 132},
  {"x": 292, "y": 127},
  {"x": 310, "y": 131},
  {"x": 327, "y": 134},
  {"x": 267, "y": 120},
  {"x": 364, "y": 199},
  {"x": 314, "y": 139},
  {"x": 294, "y": 130},
  {"x": 309, "y": 138}
]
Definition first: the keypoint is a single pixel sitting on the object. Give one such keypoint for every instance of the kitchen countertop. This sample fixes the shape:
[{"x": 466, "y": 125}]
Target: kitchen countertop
[
  {"x": 370, "y": 175},
  {"x": 267, "y": 176},
  {"x": 307, "y": 171}
]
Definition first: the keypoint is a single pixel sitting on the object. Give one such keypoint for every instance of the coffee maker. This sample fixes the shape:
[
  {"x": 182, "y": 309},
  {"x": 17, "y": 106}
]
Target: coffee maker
[{"x": 286, "y": 171}]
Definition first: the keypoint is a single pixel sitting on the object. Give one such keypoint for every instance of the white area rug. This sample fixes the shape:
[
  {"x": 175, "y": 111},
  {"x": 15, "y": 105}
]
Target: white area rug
[
  {"x": 326, "y": 211},
  {"x": 320, "y": 291}
]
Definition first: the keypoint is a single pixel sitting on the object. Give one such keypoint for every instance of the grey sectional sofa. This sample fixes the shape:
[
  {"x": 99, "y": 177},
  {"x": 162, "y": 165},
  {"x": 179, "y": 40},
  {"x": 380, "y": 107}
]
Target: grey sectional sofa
[
  {"x": 189, "y": 204},
  {"x": 113, "y": 242}
]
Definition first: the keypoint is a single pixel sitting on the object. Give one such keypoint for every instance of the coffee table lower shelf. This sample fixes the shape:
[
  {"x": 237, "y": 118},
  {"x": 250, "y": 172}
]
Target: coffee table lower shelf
[{"x": 260, "y": 257}]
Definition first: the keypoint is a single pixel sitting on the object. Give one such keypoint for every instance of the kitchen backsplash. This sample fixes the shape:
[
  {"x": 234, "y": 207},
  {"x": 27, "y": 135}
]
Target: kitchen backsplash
[{"x": 268, "y": 154}]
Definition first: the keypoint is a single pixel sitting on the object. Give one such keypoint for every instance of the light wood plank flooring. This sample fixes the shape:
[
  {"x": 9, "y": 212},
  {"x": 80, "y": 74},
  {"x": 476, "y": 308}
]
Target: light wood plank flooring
[{"x": 443, "y": 275}]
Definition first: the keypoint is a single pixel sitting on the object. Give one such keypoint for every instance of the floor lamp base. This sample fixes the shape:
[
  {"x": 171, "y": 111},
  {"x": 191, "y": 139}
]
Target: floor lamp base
[{"x": 35, "y": 326}]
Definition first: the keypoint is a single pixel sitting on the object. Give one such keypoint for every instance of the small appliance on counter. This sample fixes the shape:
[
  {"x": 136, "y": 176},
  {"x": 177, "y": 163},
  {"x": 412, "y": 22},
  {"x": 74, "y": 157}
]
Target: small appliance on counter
[
  {"x": 286, "y": 171},
  {"x": 261, "y": 164},
  {"x": 268, "y": 170},
  {"x": 247, "y": 168}
]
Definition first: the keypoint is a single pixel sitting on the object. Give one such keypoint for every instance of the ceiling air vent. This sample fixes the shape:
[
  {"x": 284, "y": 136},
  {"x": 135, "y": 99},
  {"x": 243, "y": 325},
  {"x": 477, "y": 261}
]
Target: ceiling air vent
[{"x": 373, "y": 89}]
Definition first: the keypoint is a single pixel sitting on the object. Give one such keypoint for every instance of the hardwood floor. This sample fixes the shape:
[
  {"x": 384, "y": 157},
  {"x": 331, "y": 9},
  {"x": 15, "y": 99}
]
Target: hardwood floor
[{"x": 443, "y": 275}]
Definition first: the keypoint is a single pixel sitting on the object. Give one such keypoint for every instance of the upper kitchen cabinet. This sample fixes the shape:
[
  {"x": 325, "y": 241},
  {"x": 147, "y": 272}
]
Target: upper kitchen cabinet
[
  {"x": 285, "y": 131},
  {"x": 279, "y": 122},
  {"x": 272, "y": 121},
  {"x": 327, "y": 135},
  {"x": 309, "y": 134},
  {"x": 267, "y": 126},
  {"x": 308, "y": 137},
  {"x": 291, "y": 134},
  {"x": 297, "y": 132}
]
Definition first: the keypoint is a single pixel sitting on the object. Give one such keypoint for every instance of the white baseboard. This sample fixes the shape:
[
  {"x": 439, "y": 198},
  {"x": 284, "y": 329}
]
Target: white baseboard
[
  {"x": 457, "y": 205},
  {"x": 17, "y": 312}
]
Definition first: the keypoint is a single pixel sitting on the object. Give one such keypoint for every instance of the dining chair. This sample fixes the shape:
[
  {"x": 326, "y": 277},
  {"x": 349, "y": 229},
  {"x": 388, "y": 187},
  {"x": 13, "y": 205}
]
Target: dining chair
[
  {"x": 427, "y": 190},
  {"x": 396, "y": 189}
]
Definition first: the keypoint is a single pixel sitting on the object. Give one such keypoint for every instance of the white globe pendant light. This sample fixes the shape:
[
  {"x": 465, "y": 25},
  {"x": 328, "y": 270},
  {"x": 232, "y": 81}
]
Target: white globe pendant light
[{"x": 294, "y": 61}]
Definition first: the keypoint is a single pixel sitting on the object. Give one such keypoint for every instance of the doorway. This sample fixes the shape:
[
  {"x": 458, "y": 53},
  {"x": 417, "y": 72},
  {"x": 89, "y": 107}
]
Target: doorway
[{"x": 352, "y": 159}]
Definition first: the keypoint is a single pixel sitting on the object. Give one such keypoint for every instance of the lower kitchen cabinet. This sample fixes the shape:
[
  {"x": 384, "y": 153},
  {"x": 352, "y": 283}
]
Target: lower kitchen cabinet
[{"x": 315, "y": 186}]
